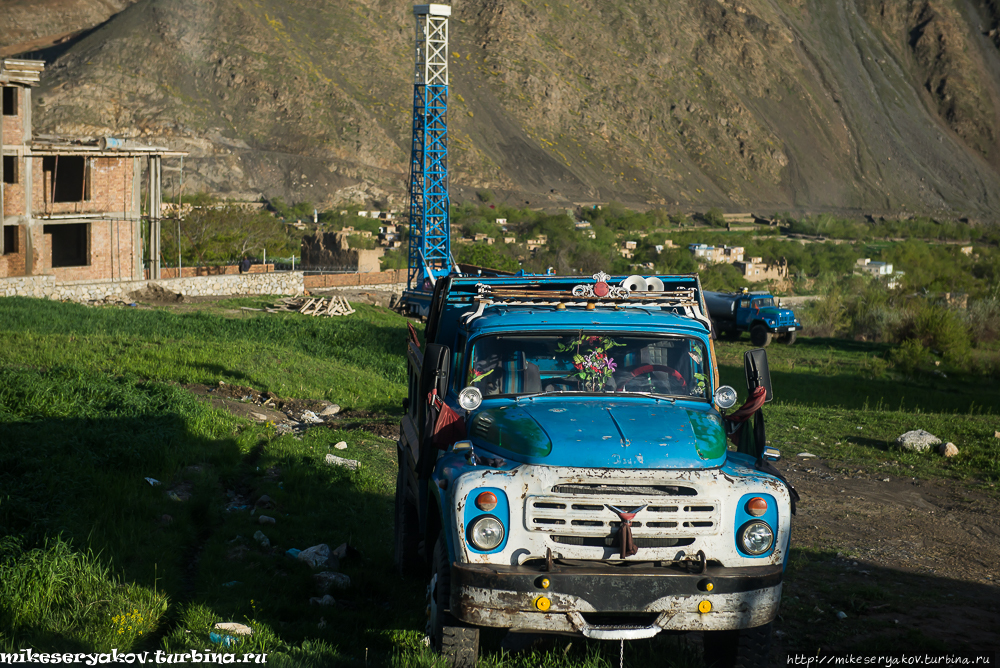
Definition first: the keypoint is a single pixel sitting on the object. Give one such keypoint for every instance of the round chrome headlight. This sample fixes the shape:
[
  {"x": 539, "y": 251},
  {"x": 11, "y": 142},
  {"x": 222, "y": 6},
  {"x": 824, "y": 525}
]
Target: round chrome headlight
[
  {"x": 470, "y": 398},
  {"x": 725, "y": 397},
  {"x": 756, "y": 537},
  {"x": 486, "y": 533}
]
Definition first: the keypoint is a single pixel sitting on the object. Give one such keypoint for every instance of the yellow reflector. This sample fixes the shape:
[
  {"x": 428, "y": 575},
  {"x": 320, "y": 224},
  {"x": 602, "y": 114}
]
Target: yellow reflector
[
  {"x": 545, "y": 583},
  {"x": 543, "y": 603},
  {"x": 705, "y": 606},
  {"x": 709, "y": 587}
]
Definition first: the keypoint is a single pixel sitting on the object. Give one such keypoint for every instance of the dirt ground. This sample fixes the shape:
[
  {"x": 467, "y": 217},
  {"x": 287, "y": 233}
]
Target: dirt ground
[{"x": 932, "y": 548}]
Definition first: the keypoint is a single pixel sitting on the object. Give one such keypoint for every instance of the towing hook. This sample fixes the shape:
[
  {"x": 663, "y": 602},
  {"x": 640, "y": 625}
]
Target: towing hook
[{"x": 702, "y": 562}]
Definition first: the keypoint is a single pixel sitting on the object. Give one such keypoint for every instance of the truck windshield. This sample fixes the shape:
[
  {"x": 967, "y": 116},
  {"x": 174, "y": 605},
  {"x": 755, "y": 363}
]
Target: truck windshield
[
  {"x": 761, "y": 303},
  {"x": 593, "y": 362}
]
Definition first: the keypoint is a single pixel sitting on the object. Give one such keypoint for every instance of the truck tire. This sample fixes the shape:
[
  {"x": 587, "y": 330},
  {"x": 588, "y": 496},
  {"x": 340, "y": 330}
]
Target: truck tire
[
  {"x": 789, "y": 338},
  {"x": 744, "y": 648},
  {"x": 759, "y": 336},
  {"x": 406, "y": 530},
  {"x": 456, "y": 643}
]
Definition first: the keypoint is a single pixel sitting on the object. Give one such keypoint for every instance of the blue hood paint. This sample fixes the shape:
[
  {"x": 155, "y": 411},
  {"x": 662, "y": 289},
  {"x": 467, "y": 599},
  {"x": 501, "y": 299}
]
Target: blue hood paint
[{"x": 632, "y": 433}]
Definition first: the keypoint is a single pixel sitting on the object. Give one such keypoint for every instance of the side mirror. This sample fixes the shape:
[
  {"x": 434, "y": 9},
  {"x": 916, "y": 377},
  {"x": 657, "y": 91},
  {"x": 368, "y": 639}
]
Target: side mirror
[{"x": 758, "y": 375}]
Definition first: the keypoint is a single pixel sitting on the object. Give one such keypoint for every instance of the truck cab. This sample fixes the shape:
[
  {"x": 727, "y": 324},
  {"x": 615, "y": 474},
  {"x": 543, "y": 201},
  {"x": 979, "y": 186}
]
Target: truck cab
[
  {"x": 563, "y": 468},
  {"x": 758, "y": 313}
]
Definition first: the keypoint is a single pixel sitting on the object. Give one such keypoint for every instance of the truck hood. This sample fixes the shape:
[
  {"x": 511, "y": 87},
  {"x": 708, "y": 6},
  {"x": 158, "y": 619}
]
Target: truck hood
[
  {"x": 774, "y": 312},
  {"x": 616, "y": 433}
]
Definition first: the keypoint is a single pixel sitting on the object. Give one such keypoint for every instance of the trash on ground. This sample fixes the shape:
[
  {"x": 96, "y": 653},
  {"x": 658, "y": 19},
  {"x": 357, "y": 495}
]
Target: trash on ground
[
  {"x": 220, "y": 639},
  {"x": 324, "y": 600},
  {"x": 841, "y": 615},
  {"x": 178, "y": 496},
  {"x": 315, "y": 556},
  {"x": 805, "y": 455},
  {"x": 153, "y": 481},
  {"x": 334, "y": 460},
  {"x": 311, "y": 418},
  {"x": 262, "y": 539},
  {"x": 292, "y": 552}
]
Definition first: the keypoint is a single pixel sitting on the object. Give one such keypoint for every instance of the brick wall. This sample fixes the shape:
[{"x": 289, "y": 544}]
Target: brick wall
[
  {"x": 111, "y": 253},
  {"x": 13, "y": 126},
  {"x": 345, "y": 280},
  {"x": 13, "y": 193},
  {"x": 110, "y": 188},
  {"x": 13, "y": 263}
]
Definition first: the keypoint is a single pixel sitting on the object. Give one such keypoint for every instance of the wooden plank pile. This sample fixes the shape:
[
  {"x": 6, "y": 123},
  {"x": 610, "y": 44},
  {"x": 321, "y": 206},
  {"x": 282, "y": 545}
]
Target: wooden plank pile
[{"x": 324, "y": 306}]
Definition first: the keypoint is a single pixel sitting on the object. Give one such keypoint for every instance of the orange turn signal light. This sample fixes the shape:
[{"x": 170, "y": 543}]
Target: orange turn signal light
[
  {"x": 486, "y": 501},
  {"x": 756, "y": 506}
]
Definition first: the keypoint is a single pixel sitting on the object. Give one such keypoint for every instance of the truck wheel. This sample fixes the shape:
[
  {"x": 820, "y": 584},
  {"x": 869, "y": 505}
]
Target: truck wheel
[
  {"x": 406, "y": 534},
  {"x": 759, "y": 336},
  {"x": 458, "y": 645},
  {"x": 744, "y": 648},
  {"x": 789, "y": 338}
]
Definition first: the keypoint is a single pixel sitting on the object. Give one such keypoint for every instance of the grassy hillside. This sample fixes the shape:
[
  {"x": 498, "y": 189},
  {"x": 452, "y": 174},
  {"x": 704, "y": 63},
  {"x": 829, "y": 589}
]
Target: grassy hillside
[
  {"x": 789, "y": 105},
  {"x": 94, "y": 557}
]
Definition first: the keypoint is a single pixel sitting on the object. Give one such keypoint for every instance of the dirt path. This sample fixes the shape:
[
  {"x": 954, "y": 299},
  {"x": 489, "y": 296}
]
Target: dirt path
[{"x": 911, "y": 556}]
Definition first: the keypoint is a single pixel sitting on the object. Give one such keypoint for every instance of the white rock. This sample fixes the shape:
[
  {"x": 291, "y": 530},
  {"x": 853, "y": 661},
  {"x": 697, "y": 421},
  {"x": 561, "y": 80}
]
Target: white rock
[
  {"x": 806, "y": 455},
  {"x": 332, "y": 409},
  {"x": 917, "y": 440},
  {"x": 315, "y": 556},
  {"x": 327, "y": 580},
  {"x": 262, "y": 539},
  {"x": 258, "y": 416},
  {"x": 342, "y": 445},
  {"x": 842, "y": 615},
  {"x": 235, "y": 628},
  {"x": 334, "y": 460}
]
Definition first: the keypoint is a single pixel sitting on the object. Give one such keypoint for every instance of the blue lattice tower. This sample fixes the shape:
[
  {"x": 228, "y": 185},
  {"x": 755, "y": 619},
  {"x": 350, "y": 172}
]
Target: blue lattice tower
[{"x": 430, "y": 232}]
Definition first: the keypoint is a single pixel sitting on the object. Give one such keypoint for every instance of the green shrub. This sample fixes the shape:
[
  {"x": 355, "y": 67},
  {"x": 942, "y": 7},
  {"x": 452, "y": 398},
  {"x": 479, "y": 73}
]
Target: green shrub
[
  {"x": 983, "y": 318},
  {"x": 909, "y": 357},
  {"x": 827, "y": 316},
  {"x": 941, "y": 329}
]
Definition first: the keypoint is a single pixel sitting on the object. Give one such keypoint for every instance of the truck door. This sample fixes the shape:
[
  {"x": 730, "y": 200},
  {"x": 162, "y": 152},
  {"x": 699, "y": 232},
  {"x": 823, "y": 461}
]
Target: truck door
[{"x": 743, "y": 313}]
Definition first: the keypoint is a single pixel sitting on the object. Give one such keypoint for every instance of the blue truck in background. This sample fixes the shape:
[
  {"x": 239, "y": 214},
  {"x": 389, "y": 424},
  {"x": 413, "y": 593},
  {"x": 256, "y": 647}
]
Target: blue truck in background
[
  {"x": 565, "y": 467},
  {"x": 758, "y": 313}
]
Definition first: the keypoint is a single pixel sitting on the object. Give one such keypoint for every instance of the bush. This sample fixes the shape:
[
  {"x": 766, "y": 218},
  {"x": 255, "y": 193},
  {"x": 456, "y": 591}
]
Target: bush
[
  {"x": 942, "y": 329},
  {"x": 983, "y": 318},
  {"x": 909, "y": 356},
  {"x": 826, "y": 316}
]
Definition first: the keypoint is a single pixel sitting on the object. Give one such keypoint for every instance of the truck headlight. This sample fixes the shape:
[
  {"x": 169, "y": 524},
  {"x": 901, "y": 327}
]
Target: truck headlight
[
  {"x": 486, "y": 533},
  {"x": 756, "y": 537}
]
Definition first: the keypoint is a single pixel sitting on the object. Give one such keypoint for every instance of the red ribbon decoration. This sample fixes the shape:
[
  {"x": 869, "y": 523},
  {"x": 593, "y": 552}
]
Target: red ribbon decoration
[{"x": 625, "y": 541}]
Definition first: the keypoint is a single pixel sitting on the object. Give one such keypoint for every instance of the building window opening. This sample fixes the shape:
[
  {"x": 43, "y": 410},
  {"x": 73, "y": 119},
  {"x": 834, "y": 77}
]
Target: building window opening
[
  {"x": 70, "y": 244},
  {"x": 10, "y": 169},
  {"x": 10, "y": 239},
  {"x": 10, "y": 101},
  {"x": 68, "y": 178}
]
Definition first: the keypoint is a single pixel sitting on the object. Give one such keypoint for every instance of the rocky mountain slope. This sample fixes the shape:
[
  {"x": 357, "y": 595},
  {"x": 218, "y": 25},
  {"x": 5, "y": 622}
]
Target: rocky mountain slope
[{"x": 862, "y": 105}]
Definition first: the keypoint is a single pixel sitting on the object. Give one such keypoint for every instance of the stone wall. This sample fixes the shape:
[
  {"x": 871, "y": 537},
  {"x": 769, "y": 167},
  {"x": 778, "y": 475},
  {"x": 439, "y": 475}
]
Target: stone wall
[
  {"x": 282, "y": 283},
  {"x": 229, "y": 269}
]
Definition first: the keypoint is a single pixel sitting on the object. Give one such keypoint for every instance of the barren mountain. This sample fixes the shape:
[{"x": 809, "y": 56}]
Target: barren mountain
[{"x": 863, "y": 105}]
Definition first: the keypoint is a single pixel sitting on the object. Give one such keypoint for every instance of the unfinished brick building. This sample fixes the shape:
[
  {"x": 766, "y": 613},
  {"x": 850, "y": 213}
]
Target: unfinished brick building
[{"x": 72, "y": 208}]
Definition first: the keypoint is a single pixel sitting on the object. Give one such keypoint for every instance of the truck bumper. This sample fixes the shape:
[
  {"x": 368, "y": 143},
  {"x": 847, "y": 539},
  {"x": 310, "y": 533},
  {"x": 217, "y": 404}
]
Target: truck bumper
[
  {"x": 615, "y": 602},
  {"x": 784, "y": 329}
]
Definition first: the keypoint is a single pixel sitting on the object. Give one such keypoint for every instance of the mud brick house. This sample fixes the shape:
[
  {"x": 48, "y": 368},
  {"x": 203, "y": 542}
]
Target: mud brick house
[{"x": 72, "y": 207}]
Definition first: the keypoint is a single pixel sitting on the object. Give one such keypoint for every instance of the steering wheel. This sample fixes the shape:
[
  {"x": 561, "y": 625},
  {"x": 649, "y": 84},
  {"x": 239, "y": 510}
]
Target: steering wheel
[{"x": 648, "y": 368}]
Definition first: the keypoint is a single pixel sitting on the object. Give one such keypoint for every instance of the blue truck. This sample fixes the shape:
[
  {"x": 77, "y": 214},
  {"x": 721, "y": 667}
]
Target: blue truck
[
  {"x": 759, "y": 313},
  {"x": 564, "y": 468}
]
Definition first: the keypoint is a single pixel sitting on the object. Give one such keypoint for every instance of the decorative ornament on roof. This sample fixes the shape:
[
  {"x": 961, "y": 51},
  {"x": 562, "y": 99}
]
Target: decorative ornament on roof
[{"x": 601, "y": 289}]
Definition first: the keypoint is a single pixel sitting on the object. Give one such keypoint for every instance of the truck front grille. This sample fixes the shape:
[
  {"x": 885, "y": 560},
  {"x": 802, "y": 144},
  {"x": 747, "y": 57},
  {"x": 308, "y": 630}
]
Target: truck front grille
[
  {"x": 611, "y": 541},
  {"x": 665, "y": 517}
]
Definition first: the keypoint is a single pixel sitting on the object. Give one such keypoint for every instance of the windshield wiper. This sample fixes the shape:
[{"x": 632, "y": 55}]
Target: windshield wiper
[{"x": 650, "y": 395}]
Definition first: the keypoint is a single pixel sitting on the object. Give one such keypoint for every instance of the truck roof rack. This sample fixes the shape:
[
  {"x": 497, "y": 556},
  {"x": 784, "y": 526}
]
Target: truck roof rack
[{"x": 678, "y": 293}]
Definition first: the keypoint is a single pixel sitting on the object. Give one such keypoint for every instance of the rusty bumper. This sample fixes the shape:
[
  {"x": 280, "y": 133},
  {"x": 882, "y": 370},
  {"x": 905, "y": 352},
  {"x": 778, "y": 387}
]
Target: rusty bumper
[{"x": 611, "y": 601}]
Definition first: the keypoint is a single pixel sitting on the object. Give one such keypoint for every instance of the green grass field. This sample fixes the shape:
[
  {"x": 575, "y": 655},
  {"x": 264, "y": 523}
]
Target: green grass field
[{"x": 92, "y": 404}]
